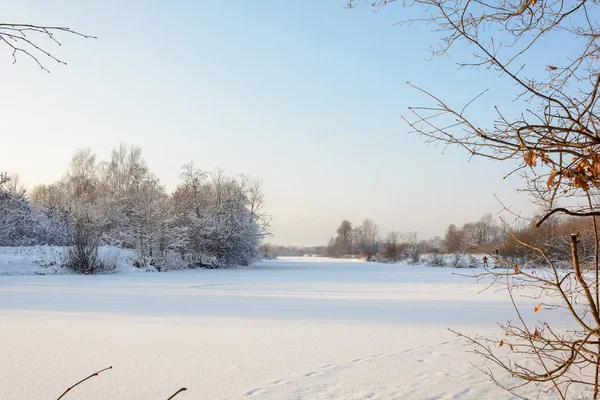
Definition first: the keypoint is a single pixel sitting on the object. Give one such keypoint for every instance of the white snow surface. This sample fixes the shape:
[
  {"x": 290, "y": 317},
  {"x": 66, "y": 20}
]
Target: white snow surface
[
  {"x": 49, "y": 260},
  {"x": 292, "y": 328}
]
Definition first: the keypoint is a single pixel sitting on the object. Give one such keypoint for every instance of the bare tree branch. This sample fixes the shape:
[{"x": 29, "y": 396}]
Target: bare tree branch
[
  {"x": 176, "y": 393},
  {"x": 25, "y": 39},
  {"x": 83, "y": 380}
]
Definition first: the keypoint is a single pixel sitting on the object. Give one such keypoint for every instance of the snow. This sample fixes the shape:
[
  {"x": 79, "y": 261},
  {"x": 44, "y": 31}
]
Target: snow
[
  {"x": 49, "y": 260},
  {"x": 293, "y": 328},
  {"x": 31, "y": 260}
]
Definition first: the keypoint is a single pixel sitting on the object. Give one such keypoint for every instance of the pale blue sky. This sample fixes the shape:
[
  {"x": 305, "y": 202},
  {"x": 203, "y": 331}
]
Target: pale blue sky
[{"x": 306, "y": 96}]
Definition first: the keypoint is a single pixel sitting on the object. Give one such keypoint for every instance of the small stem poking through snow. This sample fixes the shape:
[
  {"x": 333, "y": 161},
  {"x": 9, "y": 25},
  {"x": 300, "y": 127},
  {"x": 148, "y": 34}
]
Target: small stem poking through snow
[
  {"x": 83, "y": 380},
  {"x": 177, "y": 392}
]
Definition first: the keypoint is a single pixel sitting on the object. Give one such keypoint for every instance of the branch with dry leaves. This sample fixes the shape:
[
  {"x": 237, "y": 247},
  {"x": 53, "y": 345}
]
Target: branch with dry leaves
[
  {"x": 553, "y": 143},
  {"x": 558, "y": 360}
]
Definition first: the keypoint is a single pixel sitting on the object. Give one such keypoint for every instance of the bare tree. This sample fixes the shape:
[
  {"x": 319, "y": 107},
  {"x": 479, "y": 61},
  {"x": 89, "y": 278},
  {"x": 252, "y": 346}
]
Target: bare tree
[
  {"x": 369, "y": 238},
  {"x": 555, "y": 145},
  {"x": 435, "y": 244},
  {"x": 82, "y": 256},
  {"x": 82, "y": 177},
  {"x": 256, "y": 203},
  {"x": 453, "y": 239},
  {"x": 344, "y": 237},
  {"x": 392, "y": 246},
  {"x": 4, "y": 179},
  {"x": 14, "y": 184}
]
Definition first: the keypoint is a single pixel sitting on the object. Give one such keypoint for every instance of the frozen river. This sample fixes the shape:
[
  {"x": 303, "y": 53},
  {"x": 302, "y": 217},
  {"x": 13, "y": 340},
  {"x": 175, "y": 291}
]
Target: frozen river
[{"x": 294, "y": 328}]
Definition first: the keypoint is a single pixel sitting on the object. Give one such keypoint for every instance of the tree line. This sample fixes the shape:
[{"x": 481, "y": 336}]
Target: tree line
[
  {"x": 210, "y": 219},
  {"x": 488, "y": 235},
  {"x": 268, "y": 250},
  {"x": 365, "y": 241}
]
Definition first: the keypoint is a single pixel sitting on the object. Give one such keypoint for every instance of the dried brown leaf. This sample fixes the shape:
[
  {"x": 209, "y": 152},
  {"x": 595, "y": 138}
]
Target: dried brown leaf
[
  {"x": 530, "y": 159},
  {"x": 550, "y": 182}
]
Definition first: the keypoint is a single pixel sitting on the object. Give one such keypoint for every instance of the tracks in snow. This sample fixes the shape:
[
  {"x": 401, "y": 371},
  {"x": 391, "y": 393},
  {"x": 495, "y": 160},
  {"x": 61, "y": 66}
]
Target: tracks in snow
[{"x": 364, "y": 378}]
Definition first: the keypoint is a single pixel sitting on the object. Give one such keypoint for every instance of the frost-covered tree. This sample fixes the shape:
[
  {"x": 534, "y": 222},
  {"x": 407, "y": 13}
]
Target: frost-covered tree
[
  {"x": 212, "y": 219},
  {"x": 17, "y": 219},
  {"x": 217, "y": 213},
  {"x": 125, "y": 170},
  {"x": 256, "y": 204},
  {"x": 121, "y": 179},
  {"x": 14, "y": 184},
  {"x": 51, "y": 202},
  {"x": 81, "y": 180},
  {"x": 153, "y": 225},
  {"x": 21, "y": 223}
]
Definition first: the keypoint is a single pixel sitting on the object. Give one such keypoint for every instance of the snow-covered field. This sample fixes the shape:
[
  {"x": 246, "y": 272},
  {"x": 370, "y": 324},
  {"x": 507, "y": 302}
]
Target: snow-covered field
[
  {"x": 294, "y": 328},
  {"x": 49, "y": 260}
]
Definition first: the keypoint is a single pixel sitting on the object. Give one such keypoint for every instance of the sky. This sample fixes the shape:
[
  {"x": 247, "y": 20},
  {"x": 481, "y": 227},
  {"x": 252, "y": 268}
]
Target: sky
[{"x": 306, "y": 96}]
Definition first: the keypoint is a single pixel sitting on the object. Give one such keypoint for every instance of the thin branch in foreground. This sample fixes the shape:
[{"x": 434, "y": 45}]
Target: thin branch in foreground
[
  {"x": 24, "y": 39},
  {"x": 177, "y": 392},
  {"x": 83, "y": 380},
  {"x": 568, "y": 212}
]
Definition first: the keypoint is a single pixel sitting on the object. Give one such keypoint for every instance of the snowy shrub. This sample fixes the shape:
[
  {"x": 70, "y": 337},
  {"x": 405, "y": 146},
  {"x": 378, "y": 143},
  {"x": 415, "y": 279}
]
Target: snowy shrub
[
  {"x": 82, "y": 256},
  {"x": 473, "y": 262},
  {"x": 109, "y": 259},
  {"x": 414, "y": 255},
  {"x": 437, "y": 260},
  {"x": 456, "y": 261},
  {"x": 171, "y": 260}
]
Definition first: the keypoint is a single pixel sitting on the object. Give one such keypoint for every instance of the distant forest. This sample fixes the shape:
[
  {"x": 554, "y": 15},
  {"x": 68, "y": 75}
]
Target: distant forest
[{"x": 488, "y": 235}]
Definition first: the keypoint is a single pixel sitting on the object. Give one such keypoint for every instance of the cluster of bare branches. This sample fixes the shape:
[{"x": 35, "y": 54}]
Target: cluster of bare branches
[
  {"x": 554, "y": 139},
  {"x": 562, "y": 359},
  {"x": 26, "y": 40},
  {"x": 98, "y": 373},
  {"x": 553, "y": 143}
]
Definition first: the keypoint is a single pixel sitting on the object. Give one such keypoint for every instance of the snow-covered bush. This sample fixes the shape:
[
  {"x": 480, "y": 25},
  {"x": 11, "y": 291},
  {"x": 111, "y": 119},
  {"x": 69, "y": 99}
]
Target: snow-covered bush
[
  {"x": 82, "y": 257},
  {"x": 456, "y": 260},
  {"x": 110, "y": 259},
  {"x": 437, "y": 260}
]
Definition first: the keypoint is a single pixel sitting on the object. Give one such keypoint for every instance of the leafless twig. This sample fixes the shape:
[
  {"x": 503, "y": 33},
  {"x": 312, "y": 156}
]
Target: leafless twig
[{"x": 83, "y": 380}]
